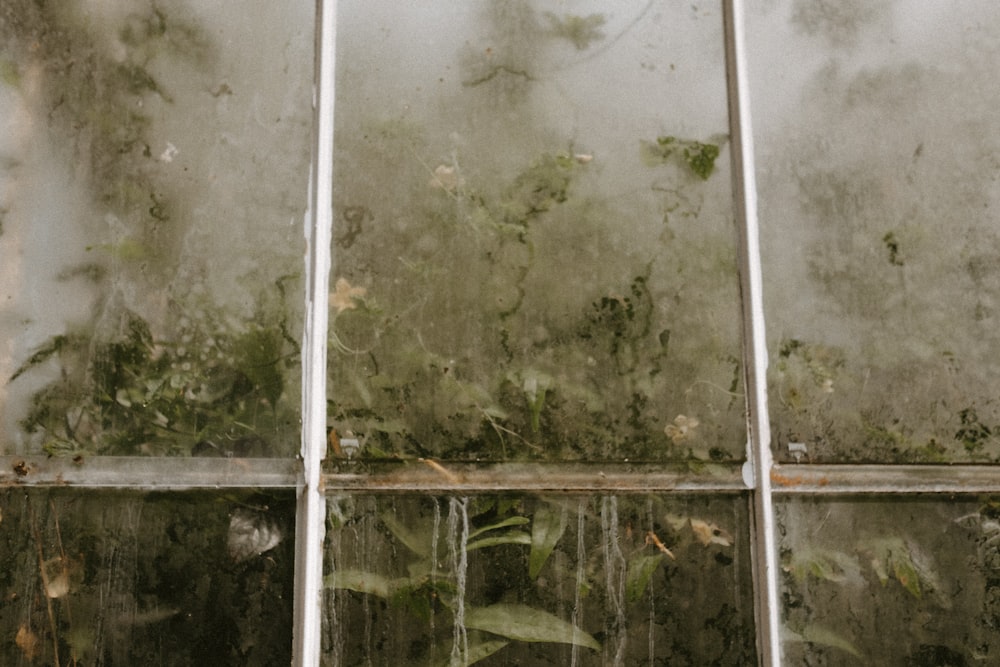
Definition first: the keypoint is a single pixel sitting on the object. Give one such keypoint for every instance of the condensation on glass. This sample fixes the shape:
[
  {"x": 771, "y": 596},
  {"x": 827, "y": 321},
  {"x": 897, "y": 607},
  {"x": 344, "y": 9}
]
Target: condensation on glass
[
  {"x": 513, "y": 579},
  {"x": 141, "y": 579},
  {"x": 154, "y": 160},
  {"x": 877, "y": 138},
  {"x": 533, "y": 242},
  {"x": 876, "y": 581}
]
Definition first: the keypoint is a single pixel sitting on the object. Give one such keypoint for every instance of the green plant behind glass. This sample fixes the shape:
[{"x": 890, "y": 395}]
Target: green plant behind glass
[
  {"x": 518, "y": 585},
  {"x": 575, "y": 370},
  {"x": 206, "y": 387}
]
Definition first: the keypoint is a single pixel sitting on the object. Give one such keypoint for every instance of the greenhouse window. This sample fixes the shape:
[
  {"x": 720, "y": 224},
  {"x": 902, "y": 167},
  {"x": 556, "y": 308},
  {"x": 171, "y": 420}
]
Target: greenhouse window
[{"x": 379, "y": 333}]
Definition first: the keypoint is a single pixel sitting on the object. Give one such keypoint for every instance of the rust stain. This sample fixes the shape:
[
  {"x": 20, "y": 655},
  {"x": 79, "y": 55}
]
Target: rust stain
[
  {"x": 781, "y": 480},
  {"x": 334, "y": 441},
  {"x": 797, "y": 480}
]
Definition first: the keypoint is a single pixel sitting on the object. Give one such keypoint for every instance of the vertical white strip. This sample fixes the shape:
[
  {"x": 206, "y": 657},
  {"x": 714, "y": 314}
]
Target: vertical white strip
[
  {"x": 311, "y": 513},
  {"x": 764, "y": 550}
]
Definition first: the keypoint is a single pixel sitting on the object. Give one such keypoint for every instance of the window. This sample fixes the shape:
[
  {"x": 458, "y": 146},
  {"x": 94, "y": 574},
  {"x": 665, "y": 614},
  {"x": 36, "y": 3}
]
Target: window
[{"x": 512, "y": 401}]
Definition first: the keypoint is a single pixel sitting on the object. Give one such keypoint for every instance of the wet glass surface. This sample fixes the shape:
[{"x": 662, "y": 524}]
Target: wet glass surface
[
  {"x": 154, "y": 159},
  {"x": 115, "y": 578},
  {"x": 533, "y": 243},
  {"x": 509, "y": 580},
  {"x": 876, "y": 138},
  {"x": 876, "y": 581}
]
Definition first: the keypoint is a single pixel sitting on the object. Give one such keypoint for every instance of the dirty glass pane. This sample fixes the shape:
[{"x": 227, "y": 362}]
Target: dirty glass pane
[
  {"x": 154, "y": 159},
  {"x": 145, "y": 579},
  {"x": 514, "y": 580},
  {"x": 908, "y": 582},
  {"x": 877, "y": 142},
  {"x": 533, "y": 243}
]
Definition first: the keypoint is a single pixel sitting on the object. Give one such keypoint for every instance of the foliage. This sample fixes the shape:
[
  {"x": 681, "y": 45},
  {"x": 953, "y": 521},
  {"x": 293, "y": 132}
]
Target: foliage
[
  {"x": 508, "y": 579},
  {"x": 123, "y": 578},
  {"x": 206, "y": 386},
  {"x": 579, "y": 367},
  {"x": 866, "y": 572},
  {"x": 140, "y": 376}
]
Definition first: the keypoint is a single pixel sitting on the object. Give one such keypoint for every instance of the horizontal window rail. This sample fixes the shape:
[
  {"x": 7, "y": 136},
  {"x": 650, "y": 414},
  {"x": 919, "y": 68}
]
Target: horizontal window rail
[
  {"x": 430, "y": 476},
  {"x": 440, "y": 477},
  {"x": 834, "y": 479},
  {"x": 147, "y": 473}
]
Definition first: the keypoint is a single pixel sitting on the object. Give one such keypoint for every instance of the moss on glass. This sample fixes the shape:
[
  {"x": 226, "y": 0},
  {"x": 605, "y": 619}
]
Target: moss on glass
[{"x": 566, "y": 370}]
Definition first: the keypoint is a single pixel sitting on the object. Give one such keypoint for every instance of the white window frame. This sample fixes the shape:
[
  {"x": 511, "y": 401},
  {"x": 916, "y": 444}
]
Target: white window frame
[{"x": 305, "y": 475}]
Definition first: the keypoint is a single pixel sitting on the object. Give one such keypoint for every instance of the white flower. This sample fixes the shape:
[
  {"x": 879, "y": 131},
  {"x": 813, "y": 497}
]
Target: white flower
[
  {"x": 681, "y": 428},
  {"x": 445, "y": 178},
  {"x": 342, "y": 298}
]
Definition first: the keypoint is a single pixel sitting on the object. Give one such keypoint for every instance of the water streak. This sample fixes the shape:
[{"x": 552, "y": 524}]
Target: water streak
[
  {"x": 652, "y": 597},
  {"x": 366, "y": 540},
  {"x": 458, "y": 511},
  {"x": 614, "y": 572},
  {"x": 581, "y": 572},
  {"x": 434, "y": 570}
]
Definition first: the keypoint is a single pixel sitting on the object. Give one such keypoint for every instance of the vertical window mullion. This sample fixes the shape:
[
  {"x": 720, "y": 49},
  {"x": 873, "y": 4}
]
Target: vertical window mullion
[
  {"x": 310, "y": 513},
  {"x": 758, "y": 470}
]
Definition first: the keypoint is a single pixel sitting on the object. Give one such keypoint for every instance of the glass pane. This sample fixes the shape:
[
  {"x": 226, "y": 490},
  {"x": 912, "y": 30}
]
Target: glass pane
[
  {"x": 154, "y": 161},
  {"x": 890, "y": 582},
  {"x": 516, "y": 580},
  {"x": 534, "y": 250},
  {"x": 877, "y": 141},
  {"x": 128, "y": 579}
]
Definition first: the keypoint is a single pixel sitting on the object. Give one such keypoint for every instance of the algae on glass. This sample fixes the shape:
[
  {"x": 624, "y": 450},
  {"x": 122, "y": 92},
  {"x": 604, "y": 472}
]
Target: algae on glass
[
  {"x": 154, "y": 170},
  {"x": 534, "y": 251},
  {"x": 878, "y": 199}
]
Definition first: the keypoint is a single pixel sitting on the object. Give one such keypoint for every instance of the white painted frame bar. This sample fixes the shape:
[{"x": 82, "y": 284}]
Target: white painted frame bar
[
  {"x": 310, "y": 519},
  {"x": 763, "y": 537}
]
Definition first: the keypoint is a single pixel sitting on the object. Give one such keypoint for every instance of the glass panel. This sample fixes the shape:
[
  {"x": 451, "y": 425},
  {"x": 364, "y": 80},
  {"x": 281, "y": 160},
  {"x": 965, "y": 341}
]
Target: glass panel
[
  {"x": 534, "y": 252},
  {"x": 154, "y": 161},
  {"x": 129, "y": 579},
  {"x": 877, "y": 143},
  {"x": 890, "y": 582},
  {"x": 516, "y": 580}
]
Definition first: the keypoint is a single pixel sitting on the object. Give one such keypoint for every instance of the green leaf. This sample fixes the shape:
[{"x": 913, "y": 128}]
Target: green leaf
[
  {"x": 815, "y": 634},
  {"x": 418, "y": 543},
  {"x": 477, "y": 651},
  {"x": 527, "y": 624},
  {"x": 362, "y": 582},
  {"x": 906, "y": 573},
  {"x": 53, "y": 346},
  {"x": 640, "y": 570},
  {"x": 546, "y": 530},
  {"x": 511, "y": 521},
  {"x": 893, "y": 557},
  {"x": 510, "y": 537},
  {"x": 835, "y": 566}
]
